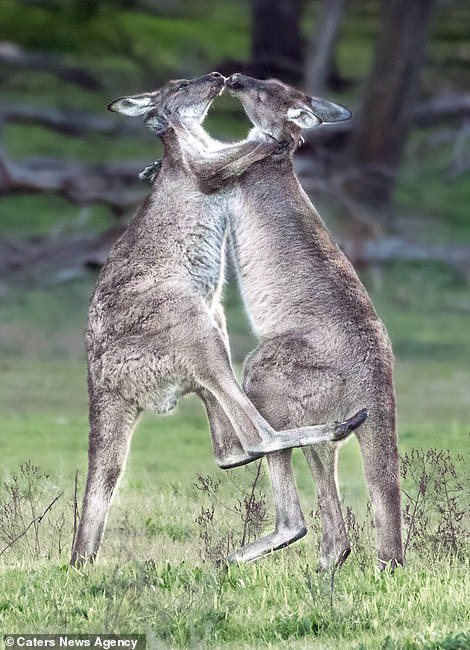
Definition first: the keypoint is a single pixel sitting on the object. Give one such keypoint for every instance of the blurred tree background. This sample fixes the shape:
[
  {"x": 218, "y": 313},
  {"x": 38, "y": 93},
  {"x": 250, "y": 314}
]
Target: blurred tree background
[{"x": 392, "y": 184}]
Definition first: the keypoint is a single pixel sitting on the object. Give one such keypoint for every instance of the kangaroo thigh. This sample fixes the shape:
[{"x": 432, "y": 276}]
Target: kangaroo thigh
[{"x": 292, "y": 386}]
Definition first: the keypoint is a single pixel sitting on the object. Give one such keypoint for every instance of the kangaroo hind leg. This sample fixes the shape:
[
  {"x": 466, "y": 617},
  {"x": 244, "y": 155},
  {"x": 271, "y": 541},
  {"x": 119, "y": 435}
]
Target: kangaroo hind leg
[
  {"x": 290, "y": 524},
  {"x": 112, "y": 421},
  {"x": 289, "y": 386},
  {"x": 379, "y": 450},
  {"x": 269, "y": 390},
  {"x": 335, "y": 545},
  {"x": 228, "y": 450}
]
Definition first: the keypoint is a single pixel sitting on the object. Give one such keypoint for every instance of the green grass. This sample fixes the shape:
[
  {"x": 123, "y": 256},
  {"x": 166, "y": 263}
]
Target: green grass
[
  {"x": 96, "y": 149},
  {"x": 279, "y": 603},
  {"x": 152, "y": 576},
  {"x": 42, "y": 214},
  {"x": 120, "y": 42}
]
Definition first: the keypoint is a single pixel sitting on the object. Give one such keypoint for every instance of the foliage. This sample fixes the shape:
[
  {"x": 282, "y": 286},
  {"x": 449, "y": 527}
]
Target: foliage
[{"x": 437, "y": 509}]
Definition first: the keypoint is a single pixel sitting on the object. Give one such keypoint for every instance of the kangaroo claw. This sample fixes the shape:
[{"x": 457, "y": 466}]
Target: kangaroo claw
[
  {"x": 151, "y": 172},
  {"x": 343, "y": 429}
]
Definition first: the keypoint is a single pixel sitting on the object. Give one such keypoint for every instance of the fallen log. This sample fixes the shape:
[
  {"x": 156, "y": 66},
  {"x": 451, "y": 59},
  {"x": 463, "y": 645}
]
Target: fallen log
[
  {"x": 18, "y": 255},
  {"x": 389, "y": 249},
  {"x": 68, "y": 254},
  {"x": 441, "y": 107},
  {"x": 66, "y": 121},
  {"x": 25, "y": 255},
  {"x": 12, "y": 55},
  {"x": 114, "y": 185}
]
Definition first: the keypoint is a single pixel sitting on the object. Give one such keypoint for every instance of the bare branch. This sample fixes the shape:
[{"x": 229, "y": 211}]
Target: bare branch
[
  {"x": 66, "y": 121},
  {"x": 36, "y": 520},
  {"x": 14, "y": 56},
  {"x": 108, "y": 184},
  {"x": 392, "y": 248}
]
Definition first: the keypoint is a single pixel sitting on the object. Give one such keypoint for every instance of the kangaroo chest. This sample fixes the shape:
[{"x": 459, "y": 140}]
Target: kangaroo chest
[
  {"x": 205, "y": 245},
  {"x": 291, "y": 272}
]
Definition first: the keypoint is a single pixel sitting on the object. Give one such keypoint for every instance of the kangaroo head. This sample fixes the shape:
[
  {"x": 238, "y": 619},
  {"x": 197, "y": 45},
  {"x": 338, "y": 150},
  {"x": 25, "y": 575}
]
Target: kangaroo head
[
  {"x": 191, "y": 99},
  {"x": 279, "y": 109}
]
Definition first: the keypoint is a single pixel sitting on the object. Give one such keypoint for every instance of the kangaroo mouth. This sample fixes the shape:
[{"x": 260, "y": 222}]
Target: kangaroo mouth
[
  {"x": 219, "y": 87},
  {"x": 233, "y": 83}
]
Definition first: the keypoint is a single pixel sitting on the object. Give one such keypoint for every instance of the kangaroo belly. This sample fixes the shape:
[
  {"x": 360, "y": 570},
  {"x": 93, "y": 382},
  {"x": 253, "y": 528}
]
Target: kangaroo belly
[
  {"x": 144, "y": 349},
  {"x": 142, "y": 374},
  {"x": 157, "y": 294}
]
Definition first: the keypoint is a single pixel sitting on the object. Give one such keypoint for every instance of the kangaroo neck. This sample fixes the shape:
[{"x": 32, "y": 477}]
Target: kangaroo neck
[{"x": 172, "y": 155}]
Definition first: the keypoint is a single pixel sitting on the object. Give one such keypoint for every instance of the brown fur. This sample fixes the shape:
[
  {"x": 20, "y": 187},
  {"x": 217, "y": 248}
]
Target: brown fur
[
  {"x": 155, "y": 328},
  {"x": 324, "y": 352}
]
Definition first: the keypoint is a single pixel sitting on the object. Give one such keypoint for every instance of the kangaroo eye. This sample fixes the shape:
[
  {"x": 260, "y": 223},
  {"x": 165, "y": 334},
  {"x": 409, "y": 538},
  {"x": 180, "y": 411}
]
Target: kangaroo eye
[{"x": 182, "y": 85}]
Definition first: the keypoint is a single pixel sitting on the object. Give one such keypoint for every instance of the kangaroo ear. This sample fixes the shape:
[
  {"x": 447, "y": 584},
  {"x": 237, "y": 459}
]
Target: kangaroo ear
[
  {"x": 133, "y": 105},
  {"x": 317, "y": 111},
  {"x": 303, "y": 117},
  {"x": 329, "y": 111}
]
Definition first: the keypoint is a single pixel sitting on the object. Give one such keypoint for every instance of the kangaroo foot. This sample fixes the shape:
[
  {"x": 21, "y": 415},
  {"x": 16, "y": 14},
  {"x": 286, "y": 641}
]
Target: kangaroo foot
[
  {"x": 237, "y": 460},
  {"x": 306, "y": 436},
  {"x": 302, "y": 437},
  {"x": 268, "y": 544}
]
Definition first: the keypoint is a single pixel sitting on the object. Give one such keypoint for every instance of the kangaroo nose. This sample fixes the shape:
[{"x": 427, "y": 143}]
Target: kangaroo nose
[{"x": 235, "y": 81}]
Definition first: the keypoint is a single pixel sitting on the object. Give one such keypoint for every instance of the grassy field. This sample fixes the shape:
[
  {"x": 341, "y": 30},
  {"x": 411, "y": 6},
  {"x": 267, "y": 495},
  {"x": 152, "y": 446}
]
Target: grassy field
[
  {"x": 159, "y": 571},
  {"x": 156, "y": 573}
]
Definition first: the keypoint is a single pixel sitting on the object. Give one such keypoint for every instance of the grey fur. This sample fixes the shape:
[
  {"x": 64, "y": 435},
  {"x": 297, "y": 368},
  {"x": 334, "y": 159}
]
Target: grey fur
[
  {"x": 156, "y": 329},
  {"x": 324, "y": 352}
]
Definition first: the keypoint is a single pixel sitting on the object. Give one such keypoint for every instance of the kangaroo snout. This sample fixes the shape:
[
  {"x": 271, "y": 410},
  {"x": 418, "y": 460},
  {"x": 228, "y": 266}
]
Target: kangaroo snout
[
  {"x": 214, "y": 81},
  {"x": 235, "y": 81},
  {"x": 216, "y": 75}
]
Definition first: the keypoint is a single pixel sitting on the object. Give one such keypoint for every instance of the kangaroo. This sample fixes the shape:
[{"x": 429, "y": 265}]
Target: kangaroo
[
  {"x": 156, "y": 329},
  {"x": 323, "y": 348}
]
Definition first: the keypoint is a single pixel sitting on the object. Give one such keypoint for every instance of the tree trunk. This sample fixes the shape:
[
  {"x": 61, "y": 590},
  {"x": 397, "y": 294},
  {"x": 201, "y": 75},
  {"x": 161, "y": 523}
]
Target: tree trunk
[
  {"x": 381, "y": 130},
  {"x": 321, "y": 52},
  {"x": 276, "y": 39}
]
